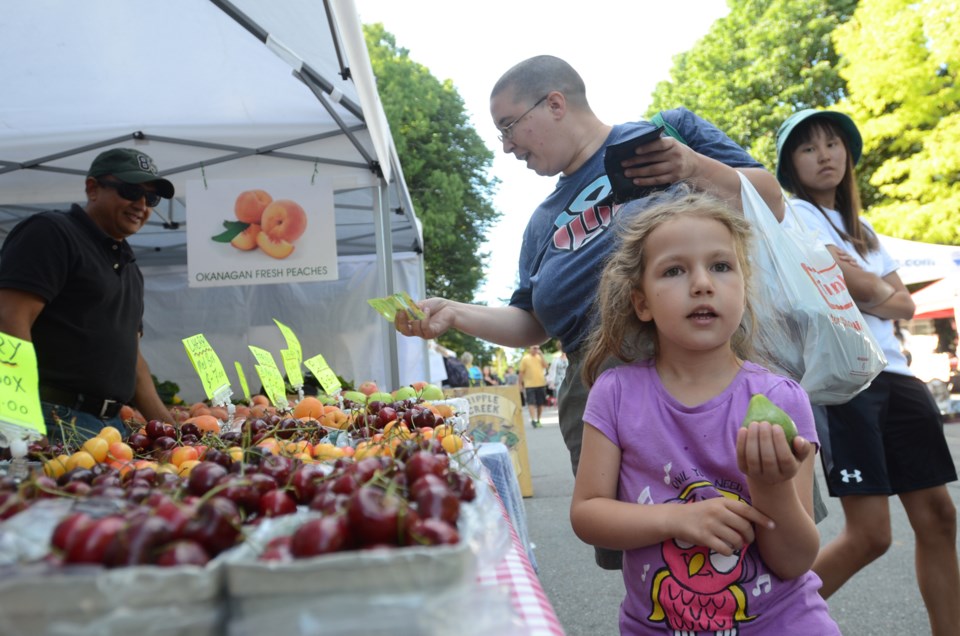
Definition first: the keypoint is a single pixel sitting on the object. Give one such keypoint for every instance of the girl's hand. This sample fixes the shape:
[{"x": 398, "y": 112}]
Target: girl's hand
[
  {"x": 764, "y": 455},
  {"x": 721, "y": 524}
]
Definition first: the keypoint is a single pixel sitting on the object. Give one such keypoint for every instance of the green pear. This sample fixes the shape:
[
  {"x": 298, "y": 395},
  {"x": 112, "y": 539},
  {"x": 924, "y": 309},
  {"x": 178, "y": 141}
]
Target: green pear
[
  {"x": 355, "y": 396},
  {"x": 405, "y": 393},
  {"x": 432, "y": 393},
  {"x": 761, "y": 409}
]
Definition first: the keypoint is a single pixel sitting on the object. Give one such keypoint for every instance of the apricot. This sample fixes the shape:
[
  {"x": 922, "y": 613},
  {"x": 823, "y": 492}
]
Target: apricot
[
  {"x": 205, "y": 422},
  {"x": 246, "y": 240},
  {"x": 308, "y": 407},
  {"x": 259, "y": 399},
  {"x": 284, "y": 220},
  {"x": 273, "y": 247},
  {"x": 250, "y": 205}
]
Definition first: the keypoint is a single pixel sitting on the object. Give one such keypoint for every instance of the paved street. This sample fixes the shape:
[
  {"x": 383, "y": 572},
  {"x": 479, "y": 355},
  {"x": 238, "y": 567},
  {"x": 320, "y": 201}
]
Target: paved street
[{"x": 882, "y": 599}]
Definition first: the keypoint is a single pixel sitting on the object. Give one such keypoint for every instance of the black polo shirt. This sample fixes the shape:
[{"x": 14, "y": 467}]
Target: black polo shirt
[{"x": 87, "y": 335}]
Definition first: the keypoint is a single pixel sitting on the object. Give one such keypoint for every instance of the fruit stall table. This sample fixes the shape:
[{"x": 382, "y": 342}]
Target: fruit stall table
[{"x": 516, "y": 575}]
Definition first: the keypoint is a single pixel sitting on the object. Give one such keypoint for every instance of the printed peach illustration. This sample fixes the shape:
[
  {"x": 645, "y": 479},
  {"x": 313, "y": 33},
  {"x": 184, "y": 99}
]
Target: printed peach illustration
[
  {"x": 250, "y": 205},
  {"x": 277, "y": 248},
  {"x": 246, "y": 240},
  {"x": 284, "y": 220}
]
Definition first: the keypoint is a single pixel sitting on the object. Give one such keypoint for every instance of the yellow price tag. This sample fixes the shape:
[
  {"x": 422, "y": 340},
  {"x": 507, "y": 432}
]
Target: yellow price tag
[
  {"x": 20, "y": 384},
  {"x": 292, "y": 342},
  {"x": 324, "y": 374},
  {"x": 243, "y": 381},
  {"x": 388, "y": 306},
  {"x": 291, "y": 364},
  {"x": 207, "y": 365},
  {"x": 263, "y": 357},
  {"x": 273, "y": 384}
]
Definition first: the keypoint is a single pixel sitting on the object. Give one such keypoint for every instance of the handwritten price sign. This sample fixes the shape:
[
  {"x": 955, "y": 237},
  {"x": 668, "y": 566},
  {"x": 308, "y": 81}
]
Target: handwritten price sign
[
  {"x": 323, "y": 373},
  {"x": 207, "y": 365},
  {"x": 19, "y": 385}
]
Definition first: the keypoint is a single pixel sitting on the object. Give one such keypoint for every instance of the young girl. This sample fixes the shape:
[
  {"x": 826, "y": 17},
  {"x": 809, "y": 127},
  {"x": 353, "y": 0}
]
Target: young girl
[
  {"x": 715, "y": 520},
  {"x": 889, "y": 438}
]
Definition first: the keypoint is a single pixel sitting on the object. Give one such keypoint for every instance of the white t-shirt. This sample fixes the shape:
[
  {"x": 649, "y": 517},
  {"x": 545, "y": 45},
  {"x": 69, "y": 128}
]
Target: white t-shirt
[{"x": 878, "y": 262}]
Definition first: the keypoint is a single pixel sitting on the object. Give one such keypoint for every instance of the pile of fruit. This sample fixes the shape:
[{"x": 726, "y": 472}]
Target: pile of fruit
[{"x": 367, "y": 471}]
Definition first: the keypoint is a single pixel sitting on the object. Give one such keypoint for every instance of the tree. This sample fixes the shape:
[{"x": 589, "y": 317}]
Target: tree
[
  {"x": 763, "y": 61},
  {"x": 446, "y": 165},
  {"x": 903, "y": 59}
]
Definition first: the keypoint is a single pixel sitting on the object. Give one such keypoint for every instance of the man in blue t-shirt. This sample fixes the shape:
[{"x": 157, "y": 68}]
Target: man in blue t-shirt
[{"x": 540, "y": 108}]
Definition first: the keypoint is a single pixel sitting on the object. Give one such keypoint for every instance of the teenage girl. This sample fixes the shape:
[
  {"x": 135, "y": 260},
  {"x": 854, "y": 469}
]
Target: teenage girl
[
  {"x": 889, "y": 438},
  {"x": 715, "y": 520}
]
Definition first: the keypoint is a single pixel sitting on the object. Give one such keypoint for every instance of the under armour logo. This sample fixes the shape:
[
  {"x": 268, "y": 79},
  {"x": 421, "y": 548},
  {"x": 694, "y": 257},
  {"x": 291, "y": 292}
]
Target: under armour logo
[{"x": 848, "y": 476}]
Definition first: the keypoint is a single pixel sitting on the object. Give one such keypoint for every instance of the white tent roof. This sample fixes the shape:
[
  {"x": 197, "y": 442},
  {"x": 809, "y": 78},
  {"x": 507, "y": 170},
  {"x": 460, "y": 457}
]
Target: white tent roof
[{"x": 210, "y": 89}]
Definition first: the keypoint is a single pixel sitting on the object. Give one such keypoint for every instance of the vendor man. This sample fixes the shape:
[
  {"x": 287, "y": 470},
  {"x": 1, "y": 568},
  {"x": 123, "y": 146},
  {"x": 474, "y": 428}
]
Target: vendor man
[{"x": 69, "y": 283}]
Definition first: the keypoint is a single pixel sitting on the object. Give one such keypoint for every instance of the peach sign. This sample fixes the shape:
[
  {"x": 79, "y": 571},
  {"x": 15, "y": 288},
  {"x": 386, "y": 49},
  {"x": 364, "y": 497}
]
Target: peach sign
[{"x": 246, "y": 232}]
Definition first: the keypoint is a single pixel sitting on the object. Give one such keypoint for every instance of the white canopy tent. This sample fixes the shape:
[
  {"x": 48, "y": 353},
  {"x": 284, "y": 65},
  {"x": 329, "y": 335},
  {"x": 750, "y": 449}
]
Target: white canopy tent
[
  {"x": 216, "y": 89},
  {"x": 922, "y": 262}
]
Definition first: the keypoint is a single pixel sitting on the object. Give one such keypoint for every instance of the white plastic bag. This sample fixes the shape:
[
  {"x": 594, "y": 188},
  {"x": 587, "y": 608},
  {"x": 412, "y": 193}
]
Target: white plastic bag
[{"x": 809, "y": 327}]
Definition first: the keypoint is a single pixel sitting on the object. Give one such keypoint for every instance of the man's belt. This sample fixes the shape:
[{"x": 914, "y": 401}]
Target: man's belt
[{"x": 101, "y": 407}]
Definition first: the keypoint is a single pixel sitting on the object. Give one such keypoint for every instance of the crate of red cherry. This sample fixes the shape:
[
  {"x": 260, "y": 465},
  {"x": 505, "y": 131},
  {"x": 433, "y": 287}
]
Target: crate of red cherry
[{"x": 413, "y": 523}]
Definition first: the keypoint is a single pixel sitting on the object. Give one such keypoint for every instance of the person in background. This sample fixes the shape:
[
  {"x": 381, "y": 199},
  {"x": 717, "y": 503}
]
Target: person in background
[
  {"x": 511, "y": 377},
  {"x": 473, "y": 371},
  {"x": 540, "y": 108},
  {"x": 489, "y": 377},
  {"x": 69, "y": 282},
  {"x": 715, "y": 519},
  {"x": 889, "y": 438},
  {"x": 533, "y": 383},
  {"x": 557, "y": 371}
]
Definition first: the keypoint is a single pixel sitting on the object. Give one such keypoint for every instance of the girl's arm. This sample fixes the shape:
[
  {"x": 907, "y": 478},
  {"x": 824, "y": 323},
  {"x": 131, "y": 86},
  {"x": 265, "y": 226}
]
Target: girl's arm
[
  {"x": 599, "y": 519},
  {"x": 885, "y": 297},
  {"x": 780, "y": 482}
]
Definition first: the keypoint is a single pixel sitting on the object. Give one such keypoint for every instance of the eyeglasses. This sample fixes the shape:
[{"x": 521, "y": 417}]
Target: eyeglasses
[
  {"x": 132, "y": 192},
  {"x": 506, "y": 132}
]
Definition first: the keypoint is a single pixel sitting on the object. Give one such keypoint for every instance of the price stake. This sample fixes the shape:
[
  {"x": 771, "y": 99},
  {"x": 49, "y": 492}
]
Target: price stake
[
  {"x": 207, "y": 365},
  {"x": 292, "y": 342},
  {"x": 273, "y": 384},
  {"x": 291, "y": 364},
  {"x": 20, "y": 388},
  {"x": 324, "y": 374},
  {"x": 243, "y": 381}
]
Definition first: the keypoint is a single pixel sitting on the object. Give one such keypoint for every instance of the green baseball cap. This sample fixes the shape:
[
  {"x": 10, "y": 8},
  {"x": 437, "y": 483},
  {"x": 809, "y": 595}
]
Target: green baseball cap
[
  {"x": 130, "y": 166},
  {"x": 854, "y": 140}
]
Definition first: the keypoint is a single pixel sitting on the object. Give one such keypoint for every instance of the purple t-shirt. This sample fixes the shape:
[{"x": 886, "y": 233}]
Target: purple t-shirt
[{"x": 680, "y": 454}]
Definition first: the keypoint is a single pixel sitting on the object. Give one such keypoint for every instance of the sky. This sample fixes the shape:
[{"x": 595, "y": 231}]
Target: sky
[{"x": 620, "y": 48}]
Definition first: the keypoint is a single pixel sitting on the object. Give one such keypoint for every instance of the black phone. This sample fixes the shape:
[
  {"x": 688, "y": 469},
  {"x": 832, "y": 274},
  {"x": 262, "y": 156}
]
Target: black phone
[{"x": 622, "y": 186}]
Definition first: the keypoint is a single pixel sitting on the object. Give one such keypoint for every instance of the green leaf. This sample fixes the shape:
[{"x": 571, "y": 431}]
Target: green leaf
[{"x": 233, "y": 229}]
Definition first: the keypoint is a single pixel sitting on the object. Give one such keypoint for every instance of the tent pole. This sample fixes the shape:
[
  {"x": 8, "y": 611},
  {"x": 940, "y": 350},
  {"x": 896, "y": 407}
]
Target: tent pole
[{"x": 381, "y": 224}]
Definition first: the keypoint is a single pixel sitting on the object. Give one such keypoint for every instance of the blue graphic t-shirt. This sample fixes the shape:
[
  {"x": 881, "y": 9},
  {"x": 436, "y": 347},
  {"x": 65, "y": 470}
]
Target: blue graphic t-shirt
[{"x": 568, "y": 238}]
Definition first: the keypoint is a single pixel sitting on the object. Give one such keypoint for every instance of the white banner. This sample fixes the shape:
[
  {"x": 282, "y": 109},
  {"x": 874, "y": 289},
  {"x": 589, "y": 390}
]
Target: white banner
[{"x": 255, "y": 232}]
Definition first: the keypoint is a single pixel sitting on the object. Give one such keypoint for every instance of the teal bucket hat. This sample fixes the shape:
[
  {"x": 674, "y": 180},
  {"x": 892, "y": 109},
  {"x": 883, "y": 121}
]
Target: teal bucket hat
[{"x": 854, "y": 140}]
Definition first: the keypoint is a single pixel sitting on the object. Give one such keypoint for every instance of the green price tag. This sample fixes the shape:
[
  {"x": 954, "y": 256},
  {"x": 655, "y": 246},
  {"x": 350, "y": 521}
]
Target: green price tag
[
  {"x": 207, "y": 365},
  {"x": 324, "y": 374},
  {"x": 243, "y": 381},
  {"x": 292, "y": 342},
  {"x": 20, "y": 385},
  {"x": 273, "y": 384},
  {"x": 390, "y": 305},
  {"x": 291, "y": 364}
]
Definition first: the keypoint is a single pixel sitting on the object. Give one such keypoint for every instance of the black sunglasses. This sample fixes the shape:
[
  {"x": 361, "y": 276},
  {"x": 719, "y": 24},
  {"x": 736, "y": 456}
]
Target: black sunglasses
[{"x": 132, "y": 192}]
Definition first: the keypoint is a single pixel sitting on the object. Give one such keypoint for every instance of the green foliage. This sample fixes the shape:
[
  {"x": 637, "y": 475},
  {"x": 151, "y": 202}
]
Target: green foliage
[
  {"x": 445, "y": 163},
  {"x": 757, "y": 65},
  {"x": 903, "y": 94}
]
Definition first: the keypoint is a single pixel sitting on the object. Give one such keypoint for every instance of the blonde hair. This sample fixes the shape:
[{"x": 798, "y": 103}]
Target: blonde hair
[{"x": 617, "y": 331}]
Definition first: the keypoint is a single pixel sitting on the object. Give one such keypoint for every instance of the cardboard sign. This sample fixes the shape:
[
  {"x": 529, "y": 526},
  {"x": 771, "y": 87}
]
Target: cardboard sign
[
  {"x": 496, "y": 415},
  {"x": 20, "y": 388}
]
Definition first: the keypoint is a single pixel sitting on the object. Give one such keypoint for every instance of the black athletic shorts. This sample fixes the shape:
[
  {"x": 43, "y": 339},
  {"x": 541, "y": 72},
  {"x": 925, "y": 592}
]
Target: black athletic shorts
[
  {"x": 537, "y": 396},
  {"x": 887, "y": 440}
]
